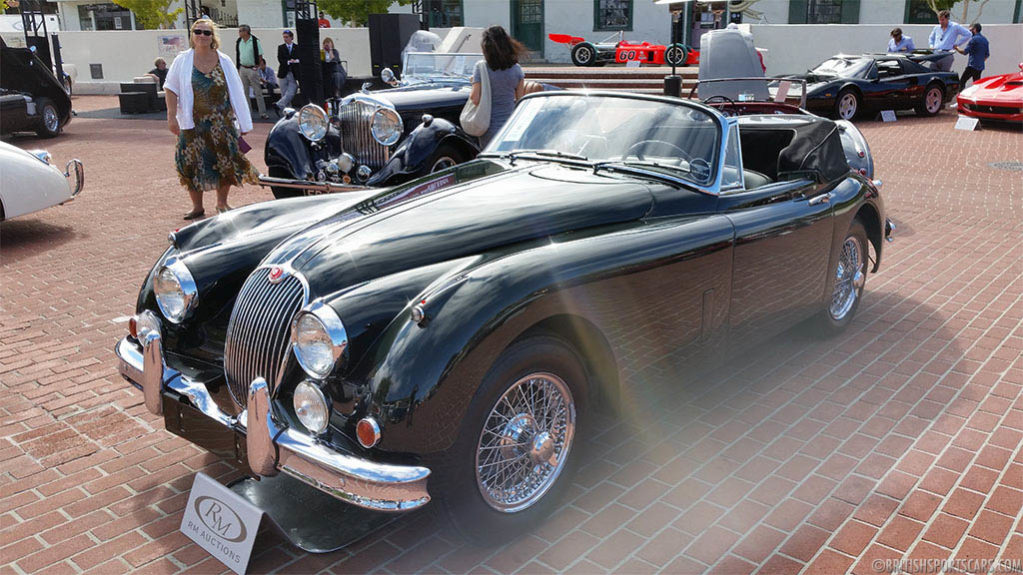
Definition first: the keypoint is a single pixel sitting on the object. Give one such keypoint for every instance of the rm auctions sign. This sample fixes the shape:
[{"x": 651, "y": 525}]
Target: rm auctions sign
[{"x": 221, "y": 522}]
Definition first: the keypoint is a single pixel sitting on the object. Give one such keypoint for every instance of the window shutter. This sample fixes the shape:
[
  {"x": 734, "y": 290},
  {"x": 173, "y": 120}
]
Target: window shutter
[
  {"x": 797, "y": 11},
  {"x": 850, "y": 11}
]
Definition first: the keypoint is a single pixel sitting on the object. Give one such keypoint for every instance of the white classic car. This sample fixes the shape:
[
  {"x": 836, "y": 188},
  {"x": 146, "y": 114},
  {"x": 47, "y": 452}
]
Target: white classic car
[{"x": 29, "y": 182}]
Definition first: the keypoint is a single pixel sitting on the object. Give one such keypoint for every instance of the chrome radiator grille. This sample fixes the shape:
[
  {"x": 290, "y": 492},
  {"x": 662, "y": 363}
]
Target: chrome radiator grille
[
  {"x": 259, "y": 332},
  {"x": 357, "y": 139}
]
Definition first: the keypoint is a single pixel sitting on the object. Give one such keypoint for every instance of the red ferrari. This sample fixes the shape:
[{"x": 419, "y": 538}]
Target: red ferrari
[{"x": 994, "y": 98}]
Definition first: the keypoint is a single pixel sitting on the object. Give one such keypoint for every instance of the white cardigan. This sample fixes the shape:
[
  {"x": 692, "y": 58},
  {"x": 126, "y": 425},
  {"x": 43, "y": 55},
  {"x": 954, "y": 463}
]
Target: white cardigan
[{"x": 179, "y": 81}]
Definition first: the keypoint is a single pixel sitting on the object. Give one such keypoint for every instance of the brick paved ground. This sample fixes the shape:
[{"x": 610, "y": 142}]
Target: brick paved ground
[{"x": 900, "y": 439}]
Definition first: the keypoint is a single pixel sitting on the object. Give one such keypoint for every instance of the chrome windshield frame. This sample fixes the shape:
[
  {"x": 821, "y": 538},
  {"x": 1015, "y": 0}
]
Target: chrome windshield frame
[{"x": 723, "y": 122}]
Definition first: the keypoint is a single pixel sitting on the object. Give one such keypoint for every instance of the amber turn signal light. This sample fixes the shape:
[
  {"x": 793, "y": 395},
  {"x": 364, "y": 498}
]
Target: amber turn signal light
[{"x": 368, "y": 432}]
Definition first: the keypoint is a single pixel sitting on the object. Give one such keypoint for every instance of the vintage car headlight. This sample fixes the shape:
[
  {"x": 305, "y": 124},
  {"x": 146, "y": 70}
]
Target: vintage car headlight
[
  {"x": 311, "y": 407},
  {"x": 387, "y": 126},
  {"x": 319, "y": 340},
  {"x": 313, "y": 122},
  {"x": 175, "y": 290}
]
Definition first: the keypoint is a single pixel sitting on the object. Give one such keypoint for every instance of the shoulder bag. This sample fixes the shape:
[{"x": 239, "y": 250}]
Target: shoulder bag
[{"x": 475, "y": 118}]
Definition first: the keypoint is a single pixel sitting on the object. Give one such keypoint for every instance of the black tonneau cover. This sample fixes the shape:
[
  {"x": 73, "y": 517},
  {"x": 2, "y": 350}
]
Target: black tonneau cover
[{"x": 816, "y": 144}]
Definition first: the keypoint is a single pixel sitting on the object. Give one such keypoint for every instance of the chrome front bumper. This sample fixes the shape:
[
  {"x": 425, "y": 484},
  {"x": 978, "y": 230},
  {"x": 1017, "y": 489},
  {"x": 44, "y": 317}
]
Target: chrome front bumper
[
  {"x": 271, "y": 447},
  {"x": 318, "y": 187}
]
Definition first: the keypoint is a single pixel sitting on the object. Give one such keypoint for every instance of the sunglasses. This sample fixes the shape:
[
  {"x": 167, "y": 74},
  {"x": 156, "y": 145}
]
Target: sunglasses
[{"x": 200, "y": 32}]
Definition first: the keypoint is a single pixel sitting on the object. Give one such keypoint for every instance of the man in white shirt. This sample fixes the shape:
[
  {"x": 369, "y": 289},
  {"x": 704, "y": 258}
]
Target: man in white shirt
[{"x": 945, "y": 37}]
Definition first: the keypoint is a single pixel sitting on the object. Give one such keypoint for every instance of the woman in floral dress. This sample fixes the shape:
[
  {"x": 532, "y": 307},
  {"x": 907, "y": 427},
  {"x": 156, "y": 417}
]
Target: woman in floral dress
[{"x": 204, "y": 100}]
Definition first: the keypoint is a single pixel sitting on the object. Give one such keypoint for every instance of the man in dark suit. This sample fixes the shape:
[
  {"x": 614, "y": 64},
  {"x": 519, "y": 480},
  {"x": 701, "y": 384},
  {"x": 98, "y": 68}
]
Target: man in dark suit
[{"x": 287, "y": 70}]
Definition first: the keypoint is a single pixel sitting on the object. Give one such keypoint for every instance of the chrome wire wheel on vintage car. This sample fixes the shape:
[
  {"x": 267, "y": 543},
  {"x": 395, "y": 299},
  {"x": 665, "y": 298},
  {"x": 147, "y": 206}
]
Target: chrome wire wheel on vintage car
[
  {"x": 849, "y": 279},
  {"x": 525, "y": 442}
]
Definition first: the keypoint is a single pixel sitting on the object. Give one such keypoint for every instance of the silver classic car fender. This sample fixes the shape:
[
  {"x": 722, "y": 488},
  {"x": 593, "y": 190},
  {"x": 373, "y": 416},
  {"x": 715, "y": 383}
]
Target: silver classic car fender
[{"x": 29, "y": 182}]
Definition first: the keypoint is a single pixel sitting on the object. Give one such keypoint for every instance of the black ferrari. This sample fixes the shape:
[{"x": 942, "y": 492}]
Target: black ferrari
[{"x": 845, "y": 86}]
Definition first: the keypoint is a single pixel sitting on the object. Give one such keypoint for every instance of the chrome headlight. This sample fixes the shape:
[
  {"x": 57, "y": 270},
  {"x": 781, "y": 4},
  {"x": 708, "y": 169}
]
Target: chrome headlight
[
  {"x": 311, "y": 407},
  {"x": 175, "y": 290},
  {"x": 318, "y": 339},
  {"x": 313, "y": 122},
  {"x": 387, "y": 126}
]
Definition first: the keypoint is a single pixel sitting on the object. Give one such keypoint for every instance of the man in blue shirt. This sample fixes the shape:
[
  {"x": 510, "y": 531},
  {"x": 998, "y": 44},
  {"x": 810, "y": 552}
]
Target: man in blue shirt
[
  {"x": 978, "y": 52},
  {"x": 900, "y": 43},
  {"x": 945, "y": 37}
]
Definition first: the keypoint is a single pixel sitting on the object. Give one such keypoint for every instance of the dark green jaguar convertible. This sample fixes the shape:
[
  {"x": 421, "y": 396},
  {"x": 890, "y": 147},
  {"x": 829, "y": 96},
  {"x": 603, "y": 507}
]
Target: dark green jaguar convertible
[{"x": 449, "y": 338}]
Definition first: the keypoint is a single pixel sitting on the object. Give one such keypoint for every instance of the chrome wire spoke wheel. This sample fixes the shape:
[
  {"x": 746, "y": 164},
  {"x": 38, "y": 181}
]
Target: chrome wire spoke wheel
[
  {"x": 525, "y": 442},
  {"x": 849, "y": 279},
  {"x": 847, "y": 106},
  {"x": 933, "y": 102},
  {"x": 50, "y": 119}
]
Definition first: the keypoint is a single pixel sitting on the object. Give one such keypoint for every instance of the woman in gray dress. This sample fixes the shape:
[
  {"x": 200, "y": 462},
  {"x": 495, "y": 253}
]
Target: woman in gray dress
[{"x": 507, "y": 85}]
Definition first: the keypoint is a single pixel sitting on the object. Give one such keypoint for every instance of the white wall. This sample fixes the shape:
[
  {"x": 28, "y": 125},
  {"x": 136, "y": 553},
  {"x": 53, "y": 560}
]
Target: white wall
[
  {"x": 883, "y": 12},
  {"x": 485, "y": 13},
  {"x": 770, "y": 12},
  {"x": 260, "y": 13},
  {"x": 818, "y": 42}
]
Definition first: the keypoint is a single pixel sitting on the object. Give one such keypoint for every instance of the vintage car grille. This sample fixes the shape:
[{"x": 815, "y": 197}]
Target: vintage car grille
[
  {"x": 259, "y": 332},
  {"x": 992, "y": 109},
  {"x": 357, "y": 139}
]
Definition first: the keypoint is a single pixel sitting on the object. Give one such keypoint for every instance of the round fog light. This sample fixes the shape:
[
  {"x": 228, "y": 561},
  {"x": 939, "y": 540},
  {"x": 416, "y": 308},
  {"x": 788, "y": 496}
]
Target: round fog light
[
  {"x": 311, "y": 407},
  {"x": 368, "y": 432}
]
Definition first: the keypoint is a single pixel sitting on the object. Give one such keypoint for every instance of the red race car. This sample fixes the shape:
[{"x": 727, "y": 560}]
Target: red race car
[
  {"x": 599, "y": 53},
  {"x": 994, "y": 98}
]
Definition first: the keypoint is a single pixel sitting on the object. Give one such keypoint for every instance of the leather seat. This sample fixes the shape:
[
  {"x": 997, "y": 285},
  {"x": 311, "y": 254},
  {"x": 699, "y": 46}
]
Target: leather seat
[{"x": 754, "y": 179}]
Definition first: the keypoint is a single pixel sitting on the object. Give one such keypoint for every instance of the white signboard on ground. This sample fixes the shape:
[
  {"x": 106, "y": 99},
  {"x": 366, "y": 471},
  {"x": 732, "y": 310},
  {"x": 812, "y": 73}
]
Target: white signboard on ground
[
  {"x": 967, "y": 123},
  {"x": 221, "y": 522},
  {"x": 888, "y": 116}
]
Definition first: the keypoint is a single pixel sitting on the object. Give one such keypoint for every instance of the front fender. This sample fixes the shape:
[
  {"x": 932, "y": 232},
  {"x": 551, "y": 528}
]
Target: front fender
[
  {"x": 427, "y": 374},
  {"x": 288, "y": 154},
  {"x": 416, "y": 150}
]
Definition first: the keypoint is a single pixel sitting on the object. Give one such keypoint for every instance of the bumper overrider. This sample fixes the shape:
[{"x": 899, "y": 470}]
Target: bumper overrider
[{"x": 270, "y": 447}]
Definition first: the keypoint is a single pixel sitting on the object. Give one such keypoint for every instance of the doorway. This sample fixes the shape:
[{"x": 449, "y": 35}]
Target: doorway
[{"x": 527, "y": 25}]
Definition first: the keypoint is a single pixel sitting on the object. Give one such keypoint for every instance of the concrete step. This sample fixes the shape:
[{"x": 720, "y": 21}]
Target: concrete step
[
  {"x": 608, "y": 84},
  {"x": 606, "y": 72}
]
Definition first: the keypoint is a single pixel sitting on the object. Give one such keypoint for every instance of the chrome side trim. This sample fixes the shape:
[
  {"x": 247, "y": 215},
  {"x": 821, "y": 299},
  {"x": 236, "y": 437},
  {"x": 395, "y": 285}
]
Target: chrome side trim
[
  {"x": 376, "y": 486},
  {"x": 152, "y": 372}
]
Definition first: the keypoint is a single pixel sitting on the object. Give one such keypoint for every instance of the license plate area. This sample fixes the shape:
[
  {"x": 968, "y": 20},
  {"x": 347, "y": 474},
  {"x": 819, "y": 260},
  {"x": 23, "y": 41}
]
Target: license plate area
[{"x": 186, "y": 421}]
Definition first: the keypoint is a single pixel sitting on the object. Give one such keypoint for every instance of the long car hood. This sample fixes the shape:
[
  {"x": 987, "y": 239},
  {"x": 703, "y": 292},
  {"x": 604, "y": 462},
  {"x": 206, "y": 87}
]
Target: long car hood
[
  {"x": 469, "y": 209},
  {"x": 424, "y": 96},
  {"x": 1006, "y": 88}
]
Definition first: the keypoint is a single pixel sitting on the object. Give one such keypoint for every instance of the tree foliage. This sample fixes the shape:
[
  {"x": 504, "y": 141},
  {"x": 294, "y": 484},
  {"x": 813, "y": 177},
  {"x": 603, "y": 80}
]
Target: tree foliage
[
  {"x": 356, "y": 12},
  {"x": 939, "y": 5},
  {"x": 152, "y": 14}
]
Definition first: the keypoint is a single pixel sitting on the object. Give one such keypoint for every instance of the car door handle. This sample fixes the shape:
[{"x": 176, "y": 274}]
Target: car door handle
[{"x": 821, "y": 199}]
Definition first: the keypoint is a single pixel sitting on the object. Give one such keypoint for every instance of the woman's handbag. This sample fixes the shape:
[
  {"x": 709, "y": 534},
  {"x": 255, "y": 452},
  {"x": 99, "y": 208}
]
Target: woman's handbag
[
  {"x": 475, "y": 118},
  {"x": 243, "y": 146}
]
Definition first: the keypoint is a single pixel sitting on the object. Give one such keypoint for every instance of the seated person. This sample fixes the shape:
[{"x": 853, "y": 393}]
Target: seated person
[
  {"x": 159, "y": 72},
  {"x": 267, "y": 78}
]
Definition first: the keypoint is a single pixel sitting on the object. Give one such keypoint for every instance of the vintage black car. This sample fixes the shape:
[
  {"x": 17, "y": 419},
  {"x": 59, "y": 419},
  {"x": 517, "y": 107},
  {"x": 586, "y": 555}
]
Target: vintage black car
[
  {"x": 376, "y": 138},
  {"x": 846, "y": 86},
  {"x": 31, "y": 98},
  {"x": 449, "y": 337}
]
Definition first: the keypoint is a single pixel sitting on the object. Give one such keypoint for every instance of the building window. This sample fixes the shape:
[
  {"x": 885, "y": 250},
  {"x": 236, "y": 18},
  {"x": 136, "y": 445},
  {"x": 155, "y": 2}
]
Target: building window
[
  {"x": 444, "y": 13},
  {"x": 920, "y": 12},
  {"x": 107, "y": 16},
  {"x": 612, "y": 15},
  {"x": 824, "y": 12}
]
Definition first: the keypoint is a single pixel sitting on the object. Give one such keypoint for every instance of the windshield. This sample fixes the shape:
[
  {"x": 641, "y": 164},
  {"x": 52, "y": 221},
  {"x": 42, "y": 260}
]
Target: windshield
[
  {"x": 843, "y": 67},
  {"x": 675, "y": 139},
  {"x": 431, "y": 65}
]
